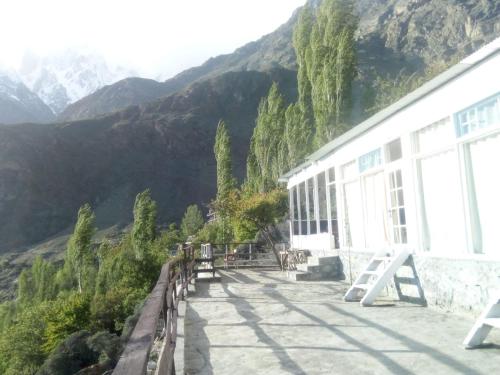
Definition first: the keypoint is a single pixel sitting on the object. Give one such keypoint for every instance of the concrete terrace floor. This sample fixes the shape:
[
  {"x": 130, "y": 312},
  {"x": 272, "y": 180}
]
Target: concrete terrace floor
[{"x": 258, "y": 322}]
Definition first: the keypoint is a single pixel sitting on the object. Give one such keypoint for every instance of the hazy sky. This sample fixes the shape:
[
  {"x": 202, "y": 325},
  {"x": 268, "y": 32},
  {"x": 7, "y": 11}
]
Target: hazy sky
[{"x": 151, "y": 36}]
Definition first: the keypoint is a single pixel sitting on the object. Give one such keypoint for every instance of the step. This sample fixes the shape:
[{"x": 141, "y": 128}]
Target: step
[
  {"x": 374, "y": 273},
  {"x": 304, "y": 267},
  {"x": 299, "y": 276},
  {"x": 492, "y": 322},
  {"x": 320, "y": 261}
]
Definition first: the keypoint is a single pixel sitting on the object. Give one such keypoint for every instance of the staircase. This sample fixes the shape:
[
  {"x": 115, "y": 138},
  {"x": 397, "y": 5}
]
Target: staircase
[
  {"x": 489, "y": 319},
  {"x": 377, "y": 274},
  {"x": 317, "y": 269}
]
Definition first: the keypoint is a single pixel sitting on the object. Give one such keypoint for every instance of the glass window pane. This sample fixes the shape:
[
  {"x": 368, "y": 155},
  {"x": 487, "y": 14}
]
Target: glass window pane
[
  {"x": 349, "y": 170},
  {"x": 370, "y": 160},
  {"x": 394, "y": 214},
  {"x": 322, "y": 197},
  {"x": 401, "y": 201},
  {"x": 433, "y": 137},
  {"x": 394, "y": 151},
  {"x": 399, "y": 181},
  {"x": 404, "y": 238},
  {"x": 323, "y": 212},
  {"x": 310, "y": 194},
  {"x": 302, "y": 205},
  {"x": 394, "y": 202},
  {"x": 331, "y": 175},
  {"x": 402, "y": 216},
  {"x": 396, "y": 236},
  {"x": 392, "y": 181}
]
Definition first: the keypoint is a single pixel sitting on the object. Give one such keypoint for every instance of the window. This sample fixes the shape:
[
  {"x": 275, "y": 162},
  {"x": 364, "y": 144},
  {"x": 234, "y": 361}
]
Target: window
[
  {"x": 393, "y": 150},
  {"x": 480, "y": 115},
  {"x": 295, "y": 211},
  {"x": 441, "y": 214},
  {"x": 323, "y": 213},
  {"x": 310, "y": 206},
  {"x": 483, "y": 184},
  {"x": 302, "y": 207},
  {"x": 375, "y": 210},
  {"x": 434, "y": 137},
  {"x": 349, "y": 170},
  {"x": 332, "y": 196},
  {"x": 353, "y": 211},
  {"x": 370, "y": 160},
  {"x": 397, "y": 209}
]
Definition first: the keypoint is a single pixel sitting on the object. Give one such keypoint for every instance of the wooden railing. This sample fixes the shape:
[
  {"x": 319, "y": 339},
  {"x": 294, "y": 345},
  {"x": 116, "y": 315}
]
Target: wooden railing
[{"x": 160, "y": 307}]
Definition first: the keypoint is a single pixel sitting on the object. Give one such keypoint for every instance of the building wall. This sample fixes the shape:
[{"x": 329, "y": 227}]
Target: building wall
[{"x": 446, "y": 211}]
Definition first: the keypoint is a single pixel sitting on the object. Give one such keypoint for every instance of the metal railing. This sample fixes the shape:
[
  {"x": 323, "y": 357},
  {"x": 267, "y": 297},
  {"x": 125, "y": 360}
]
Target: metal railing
[{"x": 161, "y": 307}]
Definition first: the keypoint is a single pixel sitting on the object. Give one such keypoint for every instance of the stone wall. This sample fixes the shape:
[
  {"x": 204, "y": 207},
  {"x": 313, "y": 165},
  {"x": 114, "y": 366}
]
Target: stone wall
[{"x": 462, "y": 286}]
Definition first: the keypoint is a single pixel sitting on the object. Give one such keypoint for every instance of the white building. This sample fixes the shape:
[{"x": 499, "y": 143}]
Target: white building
[{"x": 423, "y": 174}]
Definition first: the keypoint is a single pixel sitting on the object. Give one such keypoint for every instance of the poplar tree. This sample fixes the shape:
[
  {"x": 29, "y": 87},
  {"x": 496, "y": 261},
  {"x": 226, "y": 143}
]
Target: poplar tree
[
  {"x": 327, "y": 66},
  {"x": 222, "y": 149},
  {"x": 268, "y": 158},
  {"x": 144, "y": 228},
  {"x": 79, "y": 252}
]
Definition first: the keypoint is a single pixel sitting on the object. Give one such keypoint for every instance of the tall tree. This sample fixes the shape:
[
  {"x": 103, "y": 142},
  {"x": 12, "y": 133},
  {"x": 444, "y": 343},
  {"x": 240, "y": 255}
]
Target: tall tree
[
  {"x": 79, "y": 252},
  {"x": 222, "y": 150},
  {"x": 192, "y": 221},
  {"x": 267, "y": 159},
  {"x": 327, "y": 65},
  {"x": 144, "y": 228}
]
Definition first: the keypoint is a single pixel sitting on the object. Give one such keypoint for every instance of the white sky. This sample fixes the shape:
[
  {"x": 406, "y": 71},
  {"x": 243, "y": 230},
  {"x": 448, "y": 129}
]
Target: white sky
[{"x": 154, "y": 37}]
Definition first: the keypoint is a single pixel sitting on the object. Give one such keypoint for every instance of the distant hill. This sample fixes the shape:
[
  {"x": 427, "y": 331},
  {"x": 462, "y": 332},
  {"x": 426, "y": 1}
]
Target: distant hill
[
  {"x": 48, "y": 171},
  {"x": 18, "y": 104}
]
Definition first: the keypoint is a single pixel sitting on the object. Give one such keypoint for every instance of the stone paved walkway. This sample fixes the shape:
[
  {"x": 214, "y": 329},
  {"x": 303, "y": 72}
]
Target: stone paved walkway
[{"x": 257, "y": 322}]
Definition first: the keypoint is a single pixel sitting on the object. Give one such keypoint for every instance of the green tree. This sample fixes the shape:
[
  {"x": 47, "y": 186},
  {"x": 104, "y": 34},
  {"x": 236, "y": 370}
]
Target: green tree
[
  {"x": 268, "y": 157},
  {"x": 21, "y": 351},
  {"x": 222, "y": 150},
  {"x": 79, "y": 254},
  {"x": 260, "y": 212},
  {"x": 192, "y": 221},
  {"x": 66, "y": 316},
  {"x": 144, "y": 229},
  {"x": 327, "y": 65}
]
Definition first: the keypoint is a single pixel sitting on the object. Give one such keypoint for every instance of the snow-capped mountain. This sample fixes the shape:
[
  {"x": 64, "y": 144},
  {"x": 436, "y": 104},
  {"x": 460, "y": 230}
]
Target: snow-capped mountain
[
  {"x": 19, "y": 104},
  {"x": 63, "y": 78}
]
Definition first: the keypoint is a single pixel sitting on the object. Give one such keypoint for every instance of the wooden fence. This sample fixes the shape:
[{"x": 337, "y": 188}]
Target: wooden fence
[{"x": 162, "y": 303}]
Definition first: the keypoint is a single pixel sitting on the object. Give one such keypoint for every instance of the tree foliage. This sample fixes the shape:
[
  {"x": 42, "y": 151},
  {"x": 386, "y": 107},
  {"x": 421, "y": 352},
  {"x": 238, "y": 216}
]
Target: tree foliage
[
  {"x": 328, "y": 65},
  {"x": 222, "y": 150},
  {"x": 192, "y": 221},
  {"x": 144, "y": 229},
  {"x": 79, "y": 257}
]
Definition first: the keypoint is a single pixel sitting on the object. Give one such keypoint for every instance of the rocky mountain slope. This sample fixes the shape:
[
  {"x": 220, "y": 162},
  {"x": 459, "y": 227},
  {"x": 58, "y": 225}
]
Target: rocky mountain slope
[
  {"x": 48, "y": 171},
  {"x": 18, "y": 104},
  {"x": 65, "y": 77},
  {"x": 111, "y": 98},
  {"x": 393, "y": 36}
]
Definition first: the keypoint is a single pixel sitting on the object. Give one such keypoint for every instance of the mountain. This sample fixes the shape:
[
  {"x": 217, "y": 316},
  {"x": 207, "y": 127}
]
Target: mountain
[
  {"x": 63, "y": 78},
  {"x": 47, "y": 171},
  {"x": 111, "y": 98},
  {"x": 272, "y": 51},
  {"x": 18, "y": 104},
  {"x": 394, "y": 36}
]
